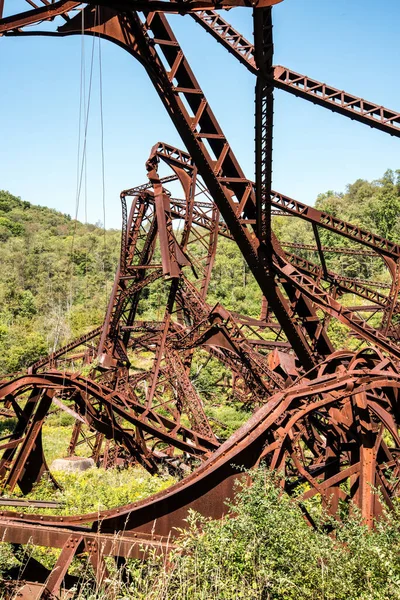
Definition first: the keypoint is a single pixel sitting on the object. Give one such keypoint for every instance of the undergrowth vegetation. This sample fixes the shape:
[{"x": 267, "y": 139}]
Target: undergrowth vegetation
[
  {"x": 262, "y": 550},
  {"x": 97, "y": 489}
]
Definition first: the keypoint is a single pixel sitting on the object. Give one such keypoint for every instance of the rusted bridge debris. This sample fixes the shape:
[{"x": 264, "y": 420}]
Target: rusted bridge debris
[{"x": 319, "y": 416}]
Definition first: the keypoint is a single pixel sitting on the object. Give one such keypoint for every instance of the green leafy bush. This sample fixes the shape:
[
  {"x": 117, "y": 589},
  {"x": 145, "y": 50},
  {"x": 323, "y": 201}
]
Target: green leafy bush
[{"x": 264, "y": 549}]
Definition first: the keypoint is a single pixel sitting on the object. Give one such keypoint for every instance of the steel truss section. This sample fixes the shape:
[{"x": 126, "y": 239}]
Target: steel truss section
[{"x": 283, "y": 78}]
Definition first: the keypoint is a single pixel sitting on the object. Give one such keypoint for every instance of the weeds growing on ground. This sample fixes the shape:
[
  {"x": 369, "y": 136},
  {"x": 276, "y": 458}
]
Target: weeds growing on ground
[{"x": 264, "y": 550}]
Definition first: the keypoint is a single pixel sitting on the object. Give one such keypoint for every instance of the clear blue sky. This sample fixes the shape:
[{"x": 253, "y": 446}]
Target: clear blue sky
[{"x": 350, "y": 44}]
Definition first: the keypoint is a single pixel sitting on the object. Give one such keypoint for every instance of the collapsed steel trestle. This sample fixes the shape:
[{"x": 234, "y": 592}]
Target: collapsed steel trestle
[{"x": 328, "y": 419}]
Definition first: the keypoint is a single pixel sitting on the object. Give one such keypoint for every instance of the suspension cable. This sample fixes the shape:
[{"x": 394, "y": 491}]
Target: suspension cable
[
  {"x": 103, "y": 168},
  {"x": 81, "y": 159}
]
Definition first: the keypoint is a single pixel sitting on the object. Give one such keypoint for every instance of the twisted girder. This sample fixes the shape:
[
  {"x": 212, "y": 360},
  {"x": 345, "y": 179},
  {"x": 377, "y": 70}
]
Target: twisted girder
[
  {"x": 86, "y": 393},
  {"x": 350, "y": 394}
]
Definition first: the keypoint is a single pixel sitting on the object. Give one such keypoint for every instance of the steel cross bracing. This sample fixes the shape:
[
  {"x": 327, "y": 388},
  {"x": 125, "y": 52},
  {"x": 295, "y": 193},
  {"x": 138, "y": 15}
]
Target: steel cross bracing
[
  {"x": 208, "y": 222},
  {"x": 171, "y": 372},
  {"x": 264, "y": 109},
  {"x": 199, "y": 309},
  {"x": 343, "y": 411}
]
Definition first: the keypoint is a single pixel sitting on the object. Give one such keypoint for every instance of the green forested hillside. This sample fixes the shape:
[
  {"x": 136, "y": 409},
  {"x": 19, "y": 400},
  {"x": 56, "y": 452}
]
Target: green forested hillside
[
  {"x": 54, "y": 274},
  {"x": 57, "y": 272}
]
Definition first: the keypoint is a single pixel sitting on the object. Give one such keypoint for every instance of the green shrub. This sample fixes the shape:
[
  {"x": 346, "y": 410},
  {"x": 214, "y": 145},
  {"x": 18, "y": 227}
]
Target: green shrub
[
  {"x": 264, "y": 549},
  {"x": 12, "y": 226}
]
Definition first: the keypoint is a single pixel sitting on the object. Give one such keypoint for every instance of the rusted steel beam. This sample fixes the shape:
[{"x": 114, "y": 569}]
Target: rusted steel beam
[
  {"x": 131, "y": 410},
  {"x": 29, "y": 460},
  {"x": 96, "y": 559},
  {"x": 37, "y": 15},
  {"x": 116, "y": 544},
  {"x": 160, "y": 347},
  {"x": 320, "y": 251},
  {"x": 51, "y": 358},
  {"x": 23, "y": 503},
  {"x": 135, "y": 191},
  {"x": 391, "y": 306},
  {"x": 188, "y": 396},
  {"x": 368, "y": 455},
  {"x": 328, "y": 249},
  {"x": 346, "y": 284},
  {"x": 172, "y": 256},
  {"x": 62, "y": 7},
  {"x": 352, "y": 232},
  {"x": 328, "y": 304},
  {"x": 264, "y": 113},
  {"x": 137, "y": 248},
  {"x": 229, "y": 37},
  {"x": 20, "y": 437},
  {"x": 368, "y": 113},
  {"x": 177, "y": 6},
  {"x": 339, "y": 101},
  {"x": 365, "y": 308},
  {"x": 71, "y": 547}
]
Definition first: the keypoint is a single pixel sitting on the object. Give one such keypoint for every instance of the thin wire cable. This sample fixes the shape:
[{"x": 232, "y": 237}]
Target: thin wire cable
[
  {"x": 83, "y": 158},
  {"x": 82, "y": 112},
  {"x": 81, "y": 178},
  {"x": 82, "y": 103},
  {"x": 103, "y": 166},
  {"x": 85, "y": 290}
]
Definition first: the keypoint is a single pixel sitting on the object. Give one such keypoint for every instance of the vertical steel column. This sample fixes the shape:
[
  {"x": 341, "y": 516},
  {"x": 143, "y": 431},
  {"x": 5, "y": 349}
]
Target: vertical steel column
[
  {"x": 161, "y": 343},
  {"x": 51, "y": 589},
  {"x": 263, "y": 51}
]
